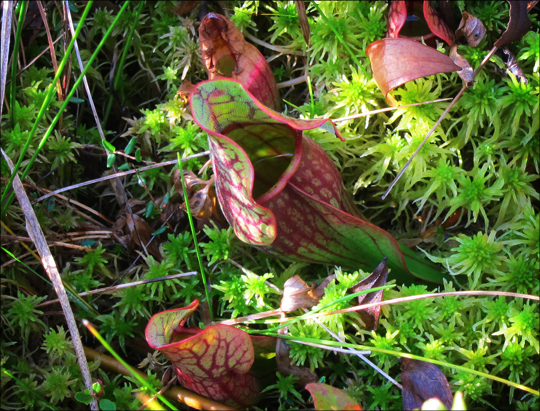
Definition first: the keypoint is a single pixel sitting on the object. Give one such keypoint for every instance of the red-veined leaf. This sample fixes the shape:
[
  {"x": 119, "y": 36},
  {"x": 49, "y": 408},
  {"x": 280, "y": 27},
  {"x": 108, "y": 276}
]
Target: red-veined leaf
[
  {"x": 213, "y": 362},
  {"x": 326, "y": 397},
  {"x": 436, "y": 24}
]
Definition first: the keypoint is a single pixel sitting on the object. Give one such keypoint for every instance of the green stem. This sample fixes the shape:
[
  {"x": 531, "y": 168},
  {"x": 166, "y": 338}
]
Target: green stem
[
  {"x": 123, "y": 59},
  {"x": 14, "y": 59},
  {"x": 64, "y": 105},
  {"x": 44, "y": 108},
  {"x": 135, "y": 374},
  {"x": 194, "y": 234},
  {"x": 44, "y": 402},
  {"x": 327, "y": 305},
  {"x": 398, "y": 354}
]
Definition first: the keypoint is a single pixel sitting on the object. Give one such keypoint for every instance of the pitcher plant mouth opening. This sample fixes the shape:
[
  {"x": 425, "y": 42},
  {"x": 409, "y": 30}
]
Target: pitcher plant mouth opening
[
  {"x": 274, "y": 157},
  {"x": 281, "y": 192},
  {"x": 223, "y": 59}
]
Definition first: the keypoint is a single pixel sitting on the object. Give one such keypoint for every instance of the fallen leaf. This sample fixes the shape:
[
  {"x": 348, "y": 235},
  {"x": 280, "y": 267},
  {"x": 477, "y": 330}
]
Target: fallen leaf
[
  {"x": 303, "y": 19},
  {"x": 203, "y": 203},
  {"x": 421, "y": 381},
  {"x": 297, "y": 294},
  {"x": 327, "y": 397},
  {"x": 140, "y": 229},
  {"x": 213, "y": 362},
  {"x": 285, "y": 368},
  {"x": 513, "y": 66},
  {"x": 466, "y": 73},
  {"x": 472, "y": 28},
  {"x": 184, "y": 90},
  {"x": 370, "y": 316},
  {"x": 185, "y": 7},
  {"x": 518, "y": 25},
  {"x": 397, "y": 61}
]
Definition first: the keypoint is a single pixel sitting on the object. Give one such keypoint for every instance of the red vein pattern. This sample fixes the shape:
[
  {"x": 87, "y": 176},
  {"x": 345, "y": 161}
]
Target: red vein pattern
[
  {"x": 214, "y": 362},
  {"x": 306, "y": 215}
]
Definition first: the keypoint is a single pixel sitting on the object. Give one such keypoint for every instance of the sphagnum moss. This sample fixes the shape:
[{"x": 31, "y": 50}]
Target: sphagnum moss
[{"x": 484, "y": 162}]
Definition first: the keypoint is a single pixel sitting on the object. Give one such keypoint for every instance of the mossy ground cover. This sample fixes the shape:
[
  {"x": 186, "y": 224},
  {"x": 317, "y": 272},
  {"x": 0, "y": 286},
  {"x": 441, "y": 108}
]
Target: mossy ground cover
[{"x": 468, "y": 200}]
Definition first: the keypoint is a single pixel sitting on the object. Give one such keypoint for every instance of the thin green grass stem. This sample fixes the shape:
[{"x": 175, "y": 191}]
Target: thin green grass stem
[
  {"x": 194, "y": 235},
  {"x": 36, "y": 394},
  {"x": 325, "y": 306},
  {"x": 62, "y": 108},
  {"x": 399, "y": 354},
  {"x": 312, "y": 103},
  {"x": 341, "y": 40},
  {"x": 15, "y": 59},
  {"x": 123, "y": 58},
  {"x": 71, "y": 293},
  {"x": 143, "y": 381},
  {"x": 42, "y": 111}
]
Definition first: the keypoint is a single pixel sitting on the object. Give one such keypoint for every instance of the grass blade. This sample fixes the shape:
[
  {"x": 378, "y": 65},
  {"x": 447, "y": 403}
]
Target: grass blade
[
  {"x": 40, "y": 115},
  {"x": 64, "y": 104},
  {"x": 324, "y": 343},
  {"x": 194, "y": 234},
  {"x": 7, "y": 12},
  {"x": 15, "y": 58},
  {"x": 134, "y": 372}
]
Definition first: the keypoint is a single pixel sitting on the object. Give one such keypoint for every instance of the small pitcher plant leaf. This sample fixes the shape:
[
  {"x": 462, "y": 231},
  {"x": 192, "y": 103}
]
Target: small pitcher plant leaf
[
  {"x": 397, "y": 61},
  {"x": 436, "y": 24},
  {"x": 226, "y": 54},
  {"x": 421, "y": 381},
  {"x": 518, "y": 25},
  {"x": 327, "y": 397},
  {"x": 213, "y": 362},
  {"x": 407, "y": 12},
  {"x": 472, "y": 28},
  {"x": 370, "y": 316},
  {"x": 397, "y": 15},
  {"x": 280, "y": 191}
]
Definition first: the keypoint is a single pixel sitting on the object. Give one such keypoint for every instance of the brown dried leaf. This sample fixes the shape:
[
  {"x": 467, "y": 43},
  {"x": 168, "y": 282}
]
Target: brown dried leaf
[
  {"x": 140, "y": 226},
  {"x": 398, "y": 61},
  {"x": 378, "y": 278},
  {"x": 184, "y": 90},
  {"x": 466, "y": 73},
  {"x": 185, "y": 7},
  {"x": 421, "y": 381},
  {"x": 285, "y": 367},
  {"x": 472, "y": 28},
  {"x": 518, "y": 25},
  {"x": 302, "y": 18},
  {"x": 297, "y": 294},
  {"x": 512, "y": 65}
]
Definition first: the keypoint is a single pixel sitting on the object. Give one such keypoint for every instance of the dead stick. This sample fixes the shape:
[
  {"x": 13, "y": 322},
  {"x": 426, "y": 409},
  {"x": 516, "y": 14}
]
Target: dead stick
[{"x": 36, "y": 234}]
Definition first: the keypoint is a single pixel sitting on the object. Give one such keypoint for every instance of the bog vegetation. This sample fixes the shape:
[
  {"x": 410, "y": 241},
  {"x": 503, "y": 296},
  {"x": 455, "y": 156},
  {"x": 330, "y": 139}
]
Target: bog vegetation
[{"x": 467, "y": 202}]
